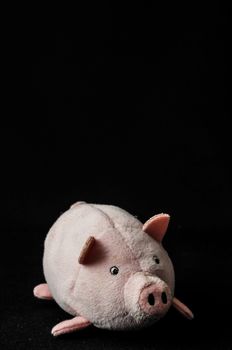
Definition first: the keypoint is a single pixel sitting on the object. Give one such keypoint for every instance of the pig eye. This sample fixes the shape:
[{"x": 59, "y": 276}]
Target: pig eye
[
  {"x": 114, "y": 270},
  {"x": 156, "y": 259}
]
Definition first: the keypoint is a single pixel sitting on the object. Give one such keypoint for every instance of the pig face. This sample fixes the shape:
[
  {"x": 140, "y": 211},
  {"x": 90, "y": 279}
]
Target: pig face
[{"x": 126, "y": 279}]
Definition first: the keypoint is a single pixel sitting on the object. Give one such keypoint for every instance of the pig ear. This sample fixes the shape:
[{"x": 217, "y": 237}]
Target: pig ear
[
  {"x": 157, "y": 226},
  {"x": 85, "y": 251}
]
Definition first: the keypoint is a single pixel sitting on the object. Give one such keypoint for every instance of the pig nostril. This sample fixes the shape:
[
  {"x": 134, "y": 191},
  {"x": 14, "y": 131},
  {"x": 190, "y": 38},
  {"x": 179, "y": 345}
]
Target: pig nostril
[
  {"x": 151, "y": 299},
  {"x": 164, "y": 298}
]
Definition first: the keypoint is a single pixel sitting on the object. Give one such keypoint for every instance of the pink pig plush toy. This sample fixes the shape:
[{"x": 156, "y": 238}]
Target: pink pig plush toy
[{"x": 106, "y": 268}]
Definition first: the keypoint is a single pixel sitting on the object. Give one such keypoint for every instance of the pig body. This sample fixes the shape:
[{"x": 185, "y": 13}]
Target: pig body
[{"x": 106, "y": 268}]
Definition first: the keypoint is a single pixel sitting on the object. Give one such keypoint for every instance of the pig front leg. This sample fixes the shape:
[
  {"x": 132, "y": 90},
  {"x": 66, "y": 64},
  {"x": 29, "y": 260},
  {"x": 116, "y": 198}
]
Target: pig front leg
[
  {"x": 182, "y": 308},
  {"x": 70, "y": 326},
  {"x": 42, "y": 292}
]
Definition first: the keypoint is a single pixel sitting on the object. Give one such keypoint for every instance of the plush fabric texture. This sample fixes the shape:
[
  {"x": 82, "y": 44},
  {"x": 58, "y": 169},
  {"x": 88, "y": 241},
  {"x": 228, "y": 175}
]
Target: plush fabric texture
[
  {"x": 70, "y": 326},
  {"x": 100, "y": 264},
  {"x": 89, "y": 289},
  {"x": 42, "y": 292},
  {"x": 143, "y": 246},
  {"x": 63, "y": 246},
  {"x": 136, "y": 294},
  {"x": 157, "y": 229},
  {"x": 182, "y": 308}
]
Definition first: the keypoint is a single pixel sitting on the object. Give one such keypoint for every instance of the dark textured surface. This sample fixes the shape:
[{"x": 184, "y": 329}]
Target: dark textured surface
[
  {"x": 203, "y": 282},
  {"x": 140, "y": 103}
]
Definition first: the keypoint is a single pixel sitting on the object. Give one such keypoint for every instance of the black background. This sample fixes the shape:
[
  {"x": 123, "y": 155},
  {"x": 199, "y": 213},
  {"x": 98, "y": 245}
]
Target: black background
[{"x": 129, "y": 107}]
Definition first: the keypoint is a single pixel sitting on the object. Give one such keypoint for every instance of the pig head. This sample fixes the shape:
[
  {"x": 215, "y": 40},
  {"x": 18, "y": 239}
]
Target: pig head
[{"x": 102, "y": 263}]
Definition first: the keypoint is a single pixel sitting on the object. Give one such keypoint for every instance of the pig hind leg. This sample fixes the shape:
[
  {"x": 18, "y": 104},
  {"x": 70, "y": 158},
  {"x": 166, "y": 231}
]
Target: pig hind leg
[{"x": 42, "y": 292}]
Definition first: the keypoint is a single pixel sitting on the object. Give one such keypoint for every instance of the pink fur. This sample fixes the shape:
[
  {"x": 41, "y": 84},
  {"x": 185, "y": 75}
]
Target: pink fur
[
  {"x": 70, "y": 326},
  {"x": 42, "y": 292},
  {"x": 100, "y": 263}
]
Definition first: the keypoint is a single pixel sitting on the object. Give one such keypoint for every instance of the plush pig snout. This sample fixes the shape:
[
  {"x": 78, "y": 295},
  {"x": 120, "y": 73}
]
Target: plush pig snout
[
  {"x": 155, "y": 299},
  {"x": 147, "y": 296}
]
